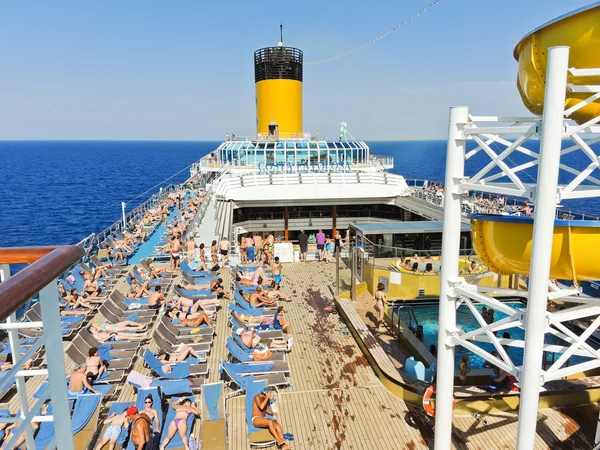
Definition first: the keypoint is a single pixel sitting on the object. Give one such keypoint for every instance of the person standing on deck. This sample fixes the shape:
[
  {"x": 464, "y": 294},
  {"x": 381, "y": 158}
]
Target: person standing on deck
[
  {"x": 276, "y": 268},
  {"x": 258, "y": 246},
  {"x": 321, "y": 238},
  {"x": 224, "y": 247},
  {"x": 379, "y": 303},
  {"x": 303, "y": 242},
  {"x": 250, "y": 249},
  {"x": 165, "y": 213},
  {"x": 338, "y": 241},
  {"x": 175, "y": 247}
]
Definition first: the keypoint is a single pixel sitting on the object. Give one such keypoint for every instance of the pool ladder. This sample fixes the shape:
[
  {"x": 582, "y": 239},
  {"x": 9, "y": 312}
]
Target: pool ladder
[{"x": 413, "y": 323}]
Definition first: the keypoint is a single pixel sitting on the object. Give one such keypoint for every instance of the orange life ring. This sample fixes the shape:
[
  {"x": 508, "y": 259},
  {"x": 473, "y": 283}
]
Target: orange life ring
[{"x": 427, "y": 406}]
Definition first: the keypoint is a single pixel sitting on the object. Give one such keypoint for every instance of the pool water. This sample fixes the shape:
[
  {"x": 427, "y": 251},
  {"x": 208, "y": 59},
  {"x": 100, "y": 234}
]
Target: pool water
[{"x": 428, "y": 317}]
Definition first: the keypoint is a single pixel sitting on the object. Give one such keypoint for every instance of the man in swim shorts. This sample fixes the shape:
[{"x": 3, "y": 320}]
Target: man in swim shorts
[
  {"x": 276, "y": 268},
  {"x": 115, "y": 422},
  {"x": 224, "y": 250}
]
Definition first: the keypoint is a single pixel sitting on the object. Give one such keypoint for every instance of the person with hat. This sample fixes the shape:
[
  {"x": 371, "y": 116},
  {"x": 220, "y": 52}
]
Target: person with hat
[{"x": 141, "y": 428}]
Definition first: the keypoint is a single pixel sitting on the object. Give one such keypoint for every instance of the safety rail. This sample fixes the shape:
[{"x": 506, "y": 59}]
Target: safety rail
[
  {"x": 40, "y": 277},
  {"x": 285, "y": 179},
  {"x": 470, "y": 207}
]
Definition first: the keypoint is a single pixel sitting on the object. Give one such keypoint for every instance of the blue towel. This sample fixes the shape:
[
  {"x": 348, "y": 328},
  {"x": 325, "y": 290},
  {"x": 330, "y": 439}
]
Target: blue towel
[
  {"x": 85, "y": 406},
  {"x": 3, "y": 413},
  {"x": 212, "y": 397},
  {"x": 132, "y": 317},
  {"x": 199, "y": 293},
  {"x": 71, "y": 319},
  {"x": 173, "y": 387},
  {"x": 45, "y": 433},
  {"x": 104, "y": 353}
]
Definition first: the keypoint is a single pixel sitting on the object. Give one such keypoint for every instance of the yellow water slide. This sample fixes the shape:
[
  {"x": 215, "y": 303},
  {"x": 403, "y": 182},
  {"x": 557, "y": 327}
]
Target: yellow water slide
[
  {"x": 504, "y": 244},
  {"x": 580, "y": 30}
]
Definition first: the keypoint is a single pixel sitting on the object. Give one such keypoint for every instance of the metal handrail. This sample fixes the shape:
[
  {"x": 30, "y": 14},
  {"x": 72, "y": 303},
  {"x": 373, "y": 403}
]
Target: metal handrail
[{"x": 47, "y": 263}]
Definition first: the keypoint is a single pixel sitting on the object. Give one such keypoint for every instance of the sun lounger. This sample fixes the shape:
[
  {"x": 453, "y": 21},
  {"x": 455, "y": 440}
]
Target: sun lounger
[
  {"x": 84, "y": 420},
  {"x": 214, "y": 424},
  {"x": 265, "y": 334},
  {"x": 118, "y": 408},
  {"x": 176, "y": 340},
  {"x": 117, "y": 364},
  {"x": 243, "y": 356},
  {"x": 156, "y": 404},
  {"x": 247, "y": 312},
  {"x": 202, "y": 330},
  {"x": 187, "y": 270},
  {"x": 105, "y": 351},
  {"x": 243, "y": 346},
  {"x": 179, "y": 370},
  {"x": 115, "y": 345},
  {"x": 176, "y": 443},
  {"x": 243, "y": 303},
  {"x": 197, "y": 280},
  {"x": 122, "y": 309},
  {"x": 205, "y": 294},
  {"x": 165, "y": 346},
  {"x": 115, "y": 318},
  {"x": 258, "y": 436},
  {"x": 122, "y": 301},
  {"x": 262, "y": 368}
]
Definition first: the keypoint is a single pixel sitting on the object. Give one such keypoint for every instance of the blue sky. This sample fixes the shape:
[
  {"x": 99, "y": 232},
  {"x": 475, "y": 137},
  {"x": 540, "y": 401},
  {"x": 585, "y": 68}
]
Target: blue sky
[{"x": 182, "y": 69}]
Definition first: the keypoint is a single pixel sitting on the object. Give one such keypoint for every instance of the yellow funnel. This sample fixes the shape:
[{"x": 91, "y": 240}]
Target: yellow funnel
[
  {"x": 504, "y": 244},
  {"x": 579, "y": 30}
]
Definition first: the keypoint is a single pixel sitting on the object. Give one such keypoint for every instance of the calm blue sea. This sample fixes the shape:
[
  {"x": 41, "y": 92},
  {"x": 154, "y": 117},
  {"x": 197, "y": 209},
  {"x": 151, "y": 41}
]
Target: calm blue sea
[{"x": 60, "y": 192}]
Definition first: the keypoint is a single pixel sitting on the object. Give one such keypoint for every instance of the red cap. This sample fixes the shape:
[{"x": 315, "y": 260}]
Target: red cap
[{"x": 132, "y": 410}]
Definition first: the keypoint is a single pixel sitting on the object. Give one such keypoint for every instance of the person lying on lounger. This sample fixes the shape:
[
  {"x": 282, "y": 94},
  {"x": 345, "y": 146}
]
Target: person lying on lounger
[
  {"x": 182, "y": 353},
  {"x": 183, "y": 409},
  {"x": 215, "y": 286},
  {"x": 125, "y": 325},
  {"x": 260, "y": 409},
  {"x": 191, "y": 306},
  {"x": 115, "y": 422},
  {"x": 155, "y": 271},
  {"x": 250, "y": 339},
  {"x": 275, "y": 294},
  {"x": 105, "y": 335},
  {"x": 35, "y": 426},
  {"x": 187, "y": 320},
  {"x": 258, "y": 299},
  {"x": 248, "y": 281},
  {"x": 137, "y": 290}
]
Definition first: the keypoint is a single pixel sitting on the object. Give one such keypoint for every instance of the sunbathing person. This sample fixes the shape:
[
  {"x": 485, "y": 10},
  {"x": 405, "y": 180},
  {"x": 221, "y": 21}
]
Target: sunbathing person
[
  {"x": 155, "y": 271},
  {"x": 35, "y": 426},
  {"x": 152, "y": 413},
  {"x": 125, "y": 325},
  {"x": 78, "y": 383},
  {"x": 215, "y": 286},
  {"x": 182, "y": 353},
  {"x": 94, "y": 365},
  {"x": 115, "y": 422},
  {"x": 275, "y": 294},
  {"x": 67, "y": 310},
  {"x": 183, "y": 409},
  {"x": 250, "y": 320},
  {"x": 260, "y": 409},
  {"x": 193, "y": 306},
  {"x": 156, "y": 299},
  {"x": 279, "y": 323},
  {"x": 248, "y": 281},
  {"x": 74, "y": 301},
  {"x": 258, "y": 299},
  {"x": 250, "y": 339},
  {"x": 137, "y": 290},
  {"x": 8, "y": 364},
  {"x": 105, "y": 335},
  {"x": 193, "y": 320},
  {"x": 91, "y": 288}
]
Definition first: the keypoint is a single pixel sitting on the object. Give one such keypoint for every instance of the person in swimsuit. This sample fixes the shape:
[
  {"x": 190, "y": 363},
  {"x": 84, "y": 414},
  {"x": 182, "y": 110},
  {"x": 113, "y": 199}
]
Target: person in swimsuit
[
  {"x": 191, "y": 248},
  {"x": 224, "y": 250},
  {"x": 126, "y": 325},
  {"x": 183, "y": 409},
  {"x": 190, "y": 306},
  {"x": 189, "y": 320},
  {"x": 258, "y": 299},
  {"x": 182, "y": 353},
  {"x": 251, "y": 340},
  {"x": 279, "y": 322},
  {"x": 115, "y": 422},
  {"x": 243, "y": 251},
  {"x": 260, "y": 409},
  {"x": 137, "y": 290},
  {"x": 245, "y": 281},
  {"x": 152, "y": 413},
  {"x": 105, "y": 335},
  {"x": 275, "y": 294},
  {"x": 94, "y": 365},
  {"x": 276, "y": 268},
  {"x": 175, "y": 247},
  {"x": 250, "y": 248},
  {"x": 213, "y": 253},
  {"x": 379, "y": 301},
  {"x": 156, "y": 298},
  {"x": 78, "y": 383}
]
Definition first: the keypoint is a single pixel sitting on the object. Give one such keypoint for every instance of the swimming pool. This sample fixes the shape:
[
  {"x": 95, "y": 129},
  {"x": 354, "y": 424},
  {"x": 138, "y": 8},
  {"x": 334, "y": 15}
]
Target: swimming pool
[{"x": 427, "y": 315}]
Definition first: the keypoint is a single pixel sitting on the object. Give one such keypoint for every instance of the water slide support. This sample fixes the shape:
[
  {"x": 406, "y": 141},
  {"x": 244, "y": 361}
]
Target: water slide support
[
  {"x": 543, "y": 228},
  {"x": 455, "y": 165}
]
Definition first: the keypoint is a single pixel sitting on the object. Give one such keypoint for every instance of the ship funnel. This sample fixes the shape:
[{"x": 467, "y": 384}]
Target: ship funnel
[
  {"x": 278, "y": 80},
  {"x": 578, "y": 30}
]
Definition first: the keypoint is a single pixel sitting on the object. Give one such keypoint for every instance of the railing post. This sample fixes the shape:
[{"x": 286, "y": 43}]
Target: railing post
[
  {"x": 15, "y": 348},
  {"x": 56, "y": 367},
  {"x": 124, "y": 219}
]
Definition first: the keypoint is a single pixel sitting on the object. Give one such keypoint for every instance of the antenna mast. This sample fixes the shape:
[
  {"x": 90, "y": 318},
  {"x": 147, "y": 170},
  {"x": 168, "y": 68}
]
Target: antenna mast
[{"x": 281, "y": 35}]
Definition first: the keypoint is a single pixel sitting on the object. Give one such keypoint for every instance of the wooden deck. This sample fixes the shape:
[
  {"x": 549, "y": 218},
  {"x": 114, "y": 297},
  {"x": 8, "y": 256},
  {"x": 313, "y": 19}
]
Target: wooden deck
[{"x": 337, "y": 402}]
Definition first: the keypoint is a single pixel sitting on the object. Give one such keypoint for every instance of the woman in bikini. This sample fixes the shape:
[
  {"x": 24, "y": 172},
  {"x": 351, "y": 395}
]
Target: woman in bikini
[
  {"x": 95, "y": 366},
  {"x": 213, "y": 253},
  {"x": 138, "y": 291},
  {"x": 151, "y": 412},
  {"x": 183, "y": 409},
  {"x": 379, "y": 300},
  {"x": 192, "y": 320},
  {"x": 126, "y": 325}
]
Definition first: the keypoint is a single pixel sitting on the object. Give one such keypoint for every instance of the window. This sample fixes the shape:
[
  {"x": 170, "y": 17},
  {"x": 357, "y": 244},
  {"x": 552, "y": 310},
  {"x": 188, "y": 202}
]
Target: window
[{"x": 289, "y": 145}]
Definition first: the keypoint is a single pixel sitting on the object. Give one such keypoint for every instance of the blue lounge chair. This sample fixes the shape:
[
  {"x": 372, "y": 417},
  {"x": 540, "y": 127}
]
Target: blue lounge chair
[
  {"x": 179, "y": 370},
  {"x": 214, "y": 425},
  {"x": 185, "y": 268},
  {"x": 157, "y": 405},
  {"x": 272, "y": 379},
  {"x": 244, "y": 356},
  {"x": 118, "y": 408},
  {"x": 249, "y": 312},
  {"x": 258, "y": 436}
]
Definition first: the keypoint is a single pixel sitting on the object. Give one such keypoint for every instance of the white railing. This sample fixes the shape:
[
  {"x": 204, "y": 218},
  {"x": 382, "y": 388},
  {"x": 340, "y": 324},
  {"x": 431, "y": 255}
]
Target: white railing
[{"x": 284, "y": 179}]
